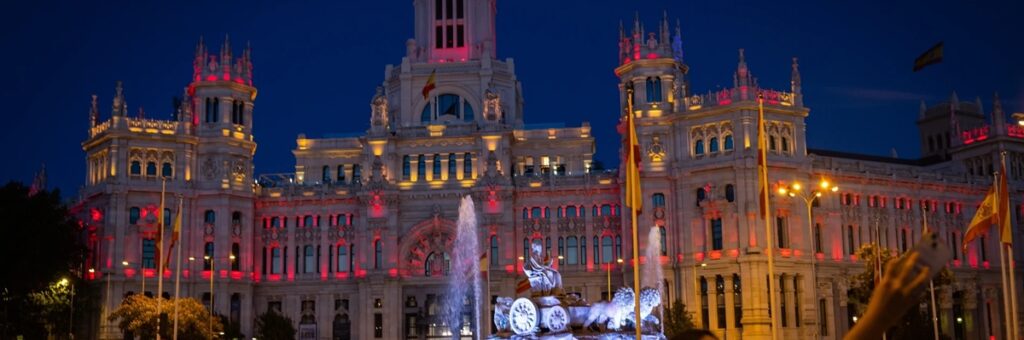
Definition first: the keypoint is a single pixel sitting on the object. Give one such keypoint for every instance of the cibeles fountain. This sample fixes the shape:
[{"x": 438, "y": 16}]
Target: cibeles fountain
[{"x": 548, "y": 313}]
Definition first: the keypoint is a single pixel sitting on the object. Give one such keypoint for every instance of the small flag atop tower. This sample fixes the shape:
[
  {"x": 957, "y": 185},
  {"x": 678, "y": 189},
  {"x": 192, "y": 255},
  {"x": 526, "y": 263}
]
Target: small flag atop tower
[
  {"x": 430, "y": 85},
  {"x": 931, "y": 56}
]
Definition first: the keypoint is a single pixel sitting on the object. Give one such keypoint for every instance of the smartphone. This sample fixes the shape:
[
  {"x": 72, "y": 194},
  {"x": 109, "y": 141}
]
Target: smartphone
[{"x": 935, "y": 254}]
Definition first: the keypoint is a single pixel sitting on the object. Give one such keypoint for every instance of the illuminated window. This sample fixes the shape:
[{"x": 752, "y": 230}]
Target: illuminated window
[
  {"x": 606, "y": 249},
  {"x": 308, "y": 263},
  {"x": 134, "y": 215},
  {"x": 236, "y": 253},
  {"x": 571, "y": 250},
  {"x": 452, "y": 166},
  {"x": 421, "y": 167},
  {"x": 150, "y": 168},
  {"x": 698, "y": 148},
  {"x": 406, "y": 168},
  {"x": 342, "y": 253},
  {"x": 467, "y": 166},
  {"x": 135, "y": 169},
  {"x": 148, "y": 253},
  {"x": 728, "y": 142},
  {"x": 716, "y": 234},
  {"x": 166, "y": 170},
  {"x": 436, "y": 168},
  {"x": 713, "y": 144},
  {"x": 275, "y": 260}
]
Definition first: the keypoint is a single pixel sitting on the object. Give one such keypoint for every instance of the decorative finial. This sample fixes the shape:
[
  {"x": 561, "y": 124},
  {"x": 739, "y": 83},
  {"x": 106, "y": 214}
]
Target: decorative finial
[
  {"x": 142, "y": 113},
  {"x": 118, "y": 108},
  {"x": 795, "y": 76},
  {"x": 94, "y": 112},
  {"x": 998, "y": 116}
]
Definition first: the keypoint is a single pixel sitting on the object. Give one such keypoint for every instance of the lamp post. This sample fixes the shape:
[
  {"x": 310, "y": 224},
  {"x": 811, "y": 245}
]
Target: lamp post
[
  {"x": 796, "y": 190},
  {"x": 212, "y": 274}
]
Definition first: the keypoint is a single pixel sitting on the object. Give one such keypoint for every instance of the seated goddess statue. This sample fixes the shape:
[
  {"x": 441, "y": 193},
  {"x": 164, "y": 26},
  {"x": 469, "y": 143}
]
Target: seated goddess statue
[{"x": 544, "y": 279}]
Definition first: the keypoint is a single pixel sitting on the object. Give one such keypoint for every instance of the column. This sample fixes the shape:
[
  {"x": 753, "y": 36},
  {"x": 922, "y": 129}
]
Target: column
[
  {"x": 730, "y": 318},
  {"x": 789, "y": 294}
]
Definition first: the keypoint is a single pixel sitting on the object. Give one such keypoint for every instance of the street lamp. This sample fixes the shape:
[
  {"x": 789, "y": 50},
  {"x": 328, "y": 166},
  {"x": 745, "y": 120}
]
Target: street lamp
[
  {"x": 794, "y": 190},
  {"x": 71, "y": 318},
  {"x": 213, "y": 273}
]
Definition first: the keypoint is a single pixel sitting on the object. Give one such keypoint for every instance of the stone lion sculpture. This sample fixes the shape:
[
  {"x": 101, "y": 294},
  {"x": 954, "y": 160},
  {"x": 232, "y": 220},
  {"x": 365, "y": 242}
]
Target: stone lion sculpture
[
  {"x": 501, "y": 314},
  {"x": 618, "y": 312}
]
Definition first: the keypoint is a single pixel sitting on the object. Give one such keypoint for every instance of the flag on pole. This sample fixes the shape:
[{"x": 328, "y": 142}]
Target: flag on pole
[
  {"x": 634, "y": 199},
  {"x": 1003, "y": 208},
  {"x": 983, "y": 218},
  {"x": 931, "y": 56},
  {"x": 175, "y": 233},
  {"x": 430, "y": 85},
  {"x": 523, "y": 286},
  {"x": 484, "y": 264}
]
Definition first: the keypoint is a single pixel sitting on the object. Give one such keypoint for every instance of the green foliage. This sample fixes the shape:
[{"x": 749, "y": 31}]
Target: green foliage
[
  {"x": 677, "y": 320},
  {"x": 138, "y": 314},
  {"x": 232, "y": 330},
  {"x": 917, "y": 322},
  {"x": 273, "y": 326},
  {"x": 43, "y": 243}
]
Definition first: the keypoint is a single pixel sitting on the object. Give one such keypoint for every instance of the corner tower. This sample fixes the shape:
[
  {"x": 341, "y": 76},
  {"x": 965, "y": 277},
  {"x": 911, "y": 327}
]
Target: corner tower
[{"x": 454, "y": 30}]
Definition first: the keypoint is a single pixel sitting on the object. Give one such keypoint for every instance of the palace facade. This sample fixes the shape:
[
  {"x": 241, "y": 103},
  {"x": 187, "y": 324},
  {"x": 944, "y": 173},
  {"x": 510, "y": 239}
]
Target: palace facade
[{"x": 356, "y": 242}]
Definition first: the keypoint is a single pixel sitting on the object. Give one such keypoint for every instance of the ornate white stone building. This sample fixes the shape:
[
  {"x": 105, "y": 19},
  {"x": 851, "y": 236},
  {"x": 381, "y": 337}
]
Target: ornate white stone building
[{"x": 354, "y": 244}]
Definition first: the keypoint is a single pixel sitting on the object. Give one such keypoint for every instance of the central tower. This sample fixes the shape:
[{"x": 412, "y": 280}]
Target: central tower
[{"x": 454, "y": 30}]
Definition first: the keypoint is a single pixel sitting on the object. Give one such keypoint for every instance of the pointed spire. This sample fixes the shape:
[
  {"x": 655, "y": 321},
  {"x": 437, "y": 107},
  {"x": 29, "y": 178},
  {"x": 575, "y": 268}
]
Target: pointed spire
[
  {"x": 742, "y": 76},
  {"x": 954, "y": 100},
  {"x": 636, "y": 24},
  {"x": 677, "y": 44},
  {"x": 94, "y": 112},
  {"x": 977, "y": 102},
  {"x": 118, "y": 106},
  {"x": 998, "y": 116},
  {"x": 142, "y": 113},
  {"x": 796, "y": 84},
  {"x": 921, "y": 111},
  {"x": 665, "y": 35}
]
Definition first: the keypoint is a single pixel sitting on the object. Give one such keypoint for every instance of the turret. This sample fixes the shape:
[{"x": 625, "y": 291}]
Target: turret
[
  {"x": 652, "y": 64},
  {"x": 795, "y": 84},
  {"x": 221, "y": 92},
  {"x": 453, "y": 31}
]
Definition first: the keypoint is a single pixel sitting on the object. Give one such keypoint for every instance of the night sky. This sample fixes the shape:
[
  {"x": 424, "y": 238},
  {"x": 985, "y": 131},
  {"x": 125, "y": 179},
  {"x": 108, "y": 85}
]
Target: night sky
[{"x": 317, "y": 64}]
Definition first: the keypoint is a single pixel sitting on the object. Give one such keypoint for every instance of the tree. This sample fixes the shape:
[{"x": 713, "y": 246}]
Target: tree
[
  {"x": 43, "y": 243},
  {"x": 232, "y": 329},
  {"x": 138, "y": 314},
  {"x": 677, "y": 320},
  {"x": 273, "y": 326},
  {"x": 917, "y": 321}
]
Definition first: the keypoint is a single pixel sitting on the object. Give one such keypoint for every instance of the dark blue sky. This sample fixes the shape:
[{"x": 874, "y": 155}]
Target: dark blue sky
[{"x": 317, "y": 63}]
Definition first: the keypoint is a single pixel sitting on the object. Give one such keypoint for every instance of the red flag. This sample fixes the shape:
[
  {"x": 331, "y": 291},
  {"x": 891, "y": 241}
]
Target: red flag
[
  {"x": 634, "y": 198},
  {"x": 430, "y": 85}
]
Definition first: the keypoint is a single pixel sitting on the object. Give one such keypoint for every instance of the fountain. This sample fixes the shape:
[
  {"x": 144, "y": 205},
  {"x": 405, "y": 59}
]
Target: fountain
[
  {"x": 549, "y": 313},
  {"x": 654, "y": 275},
  {"x": 464, "y": 278}
]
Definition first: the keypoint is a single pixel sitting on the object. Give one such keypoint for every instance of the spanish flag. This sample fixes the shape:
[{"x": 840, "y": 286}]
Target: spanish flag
[
  {"x": 484, "y": 264},
  {"x": 931, "y": 56},
  {"x": 175, "y": 234},
  {"x": 762, "y": 159},
  {"x": 994, "y": 209},
  {"x": 634, "y": 199},
  {"x": 430, "y": 85}
]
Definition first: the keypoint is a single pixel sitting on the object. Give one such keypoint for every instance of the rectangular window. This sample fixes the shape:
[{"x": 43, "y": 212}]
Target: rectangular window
[
  {"x": 851, "y": 244},
  {"x": 235, "y": 259},
  {"x": 342, "y": 259},
  {"x": 782, "y": 303},
  {"x": 782, "y": 232},
  {"x": 148, "y": 253},
  {"x": 378, "y": 325},
  {"x": 438, "y": 36},
  {"x": 817, "y": 238},
  {"x": 459, "y": 36},
  {"x": 823, "y": 317},
  {"x": 275, "y": 260},
  {"x": 716, "y": 234},
  {"x": 458, "y": 9},
  {"x": 449, "y": 36}
]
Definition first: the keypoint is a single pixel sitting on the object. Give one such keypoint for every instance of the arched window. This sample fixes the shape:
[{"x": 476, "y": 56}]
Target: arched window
[
  {"x": 150, "y": 168},
  {"x": 771, "y": 143},
  {"x": 236, "y": 218},
  {"x": 698, "y": 147},
  {"x": 494, "y": 251},
  {"x": 606, "y": 210},
  {"x": 662, "y": 239},
  {"x": 716, "y": 234},
  {"x": 425, "y": 116},
  {"x": 547, "y": 247},
  {"x": 421, "y": 167},
  {"x": 135, "y": 169},
  {"x": 378, "y": 255},
  {"x": 208, "y": 256},
  {"x": 618, "y": 246},
  {"x": 209, "y": 111},
  {"x": 561, "y": 250},
  {"x": 307, "y": 221},
  {"x": 209, "y": 217},
  {"x": 785, "y": 144},
  {"x": 597, "y": 254},
  {"x": 452, "y": 166},
  {"x": 352, "y": 258},
  {"x": 166, "y": 170},
  {"x": 467, "y": 166},
  {"x": 570, "y": 211},
  {"x": 436, "y": 168},
  {"x": 728, "y": 143},
  {"x": 658, "y": 200},
  {"x": 720, "y": 300},
  {"x": 342, "y": 253},
  {"x": 216, "y": 109},
  {"x": 357, "y": 173},
  {"x": 236, "y": 259},
  {"x": 583, "y": 250},
  {"x": 701, "y": 195},
  {"x": 547, "y": 213},
  {"x": 535, "y": 212},
  {"x": 308, "y": 263},
  {"x": 406, "y": 168},
  {"x": 730, "y": 193},
  {"x": 713, "y": 144},
  {"x": 134, "y": 213},
  {"x": 341, "y": 173},
  {"x": 326, "y": 174},
  {"x": 467, "y": 112},
  {"x": 782, "y": 232},
  {"x": 571, "y": 250},
  {"x": 607, "y": 254}
]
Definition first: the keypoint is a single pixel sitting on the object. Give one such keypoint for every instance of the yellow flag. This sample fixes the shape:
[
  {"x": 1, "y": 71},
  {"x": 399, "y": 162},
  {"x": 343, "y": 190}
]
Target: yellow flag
[
  {"x": 983, "y": 218},
  {"x": 1002, "y": 218},
  {"x": 634, "y": 199}
]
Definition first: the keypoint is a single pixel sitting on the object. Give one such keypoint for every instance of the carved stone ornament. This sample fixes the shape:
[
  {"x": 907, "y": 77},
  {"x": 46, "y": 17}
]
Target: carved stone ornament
[
  {"x": 656, "y": 151},
  {"x": 209, "y": 168}
]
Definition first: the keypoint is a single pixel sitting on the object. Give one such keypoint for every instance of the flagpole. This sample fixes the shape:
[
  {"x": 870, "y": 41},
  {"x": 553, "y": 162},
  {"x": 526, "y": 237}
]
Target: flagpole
[
  {"x": 763, "y": 178},
  {"x": 632, "y": 210},
  {"x": 1009, "y": 248},
  {"x": 931, "y": 283},
  {"x": 878, "y": 258},
  {"x": 160, "y": 264},
  {"x": 177, "y": 272},
  {"x": 1007, "y": 309}
]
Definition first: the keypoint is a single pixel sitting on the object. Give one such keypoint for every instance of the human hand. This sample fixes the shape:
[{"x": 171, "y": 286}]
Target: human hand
[{"x": 893, "y": 296}]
